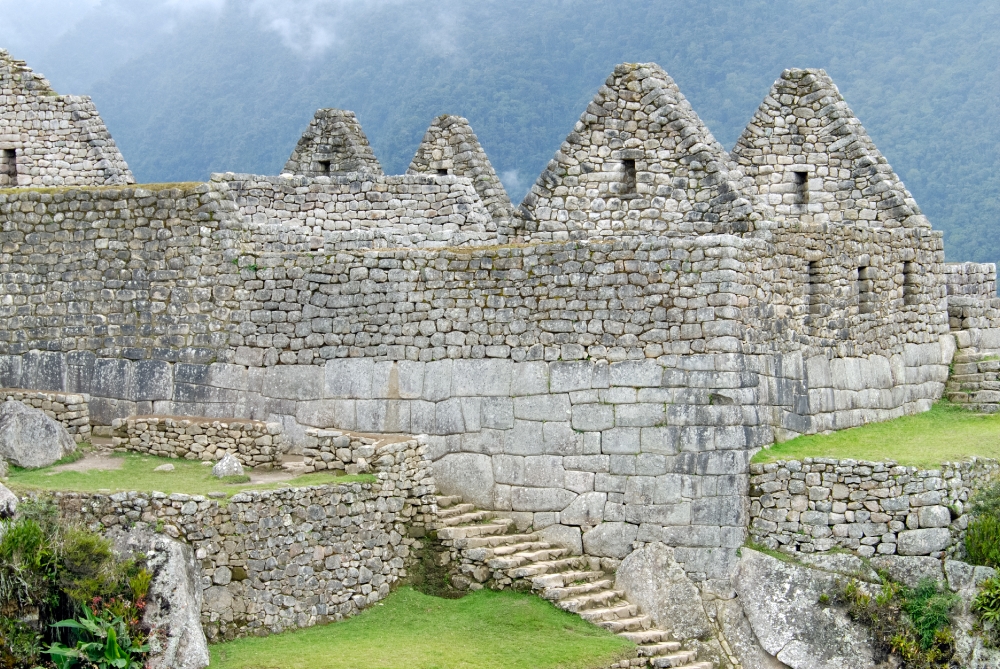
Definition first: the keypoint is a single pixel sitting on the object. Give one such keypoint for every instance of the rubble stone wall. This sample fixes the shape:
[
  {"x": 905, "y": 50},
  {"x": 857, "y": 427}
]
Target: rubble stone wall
[
  {"x": 870, "y": 508},
  {"x": 254, "y": 443},
  {"x": 72, "y": 410},
  {"x": 971, "y": 278},
  {"x": 360, "y": 210},
  {"x": 47, "y": 139},
  {"x": 295, "y": 557}
]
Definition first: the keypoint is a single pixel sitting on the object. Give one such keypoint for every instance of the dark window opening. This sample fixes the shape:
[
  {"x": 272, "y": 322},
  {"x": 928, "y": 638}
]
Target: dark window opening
[
  {"x": 801, "y": 180},
  {"x": 628, "y": 180},
  {"x": 8, "y": 167},
  {"x": 324, "y": 167},
  {"x": 911, "y": 282},
  {"x": 443, "y": 171},
  {"x": 866, "y": 290},
  {"x": 812, "y": 288}
]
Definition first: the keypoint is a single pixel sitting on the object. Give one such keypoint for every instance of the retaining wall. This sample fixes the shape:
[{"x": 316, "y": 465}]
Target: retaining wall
[
  {"x": 870, "y": 508},
  {"x": 69, "y": 409},
  {"x": 254, "y": 443},
  {"x": 296, "y": 557}
]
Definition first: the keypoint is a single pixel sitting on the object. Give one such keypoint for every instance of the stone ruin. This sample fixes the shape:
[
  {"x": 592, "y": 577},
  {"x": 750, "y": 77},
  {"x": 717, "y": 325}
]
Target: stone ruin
[{"x": 596, "y": 365}]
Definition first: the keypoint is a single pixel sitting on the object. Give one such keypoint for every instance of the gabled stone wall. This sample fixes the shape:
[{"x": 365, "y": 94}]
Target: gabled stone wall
[
  {"x": 47, "y": 139},
  {"x": 333, "y": 144}
]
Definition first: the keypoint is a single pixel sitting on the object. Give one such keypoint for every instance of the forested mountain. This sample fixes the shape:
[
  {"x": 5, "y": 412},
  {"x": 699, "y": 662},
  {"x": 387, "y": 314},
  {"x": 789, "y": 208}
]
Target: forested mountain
[{"x": 230, "y": 85}]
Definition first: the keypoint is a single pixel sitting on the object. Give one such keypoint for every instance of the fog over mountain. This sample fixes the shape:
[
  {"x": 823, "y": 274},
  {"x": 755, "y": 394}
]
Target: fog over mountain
[{"x": 188, "y": 87}]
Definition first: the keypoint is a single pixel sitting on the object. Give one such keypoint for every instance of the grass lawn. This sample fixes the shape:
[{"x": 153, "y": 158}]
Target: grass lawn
[
  {"x": 410, "y": 630},
  {"x": 946, "y": 433},
  {"x": 136, "y": 473}
]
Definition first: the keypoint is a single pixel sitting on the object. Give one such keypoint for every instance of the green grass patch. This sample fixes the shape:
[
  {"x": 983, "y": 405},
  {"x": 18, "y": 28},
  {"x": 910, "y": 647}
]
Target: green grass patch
[
  {"x": 136, "y": 473},
  {"x": 50, "y": 190},
  {"x": 410, "y": 630},
  {"x": 946, "y": 433}
]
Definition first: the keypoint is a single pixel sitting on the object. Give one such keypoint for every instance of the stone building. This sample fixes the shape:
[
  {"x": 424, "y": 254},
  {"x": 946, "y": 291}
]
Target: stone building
[
  {"x": 598, "y": 363},
  {"x": 47, "y": 139}
]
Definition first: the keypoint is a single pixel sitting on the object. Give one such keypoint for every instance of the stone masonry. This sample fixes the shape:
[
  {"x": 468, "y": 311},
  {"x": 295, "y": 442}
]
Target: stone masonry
[
  {"x": 254, "y": 443},
  {"x": 71, "y": 410},
  {"x": 47, "y": 139},
  {"x": 601, "y": 364},
  {"x": 869, "y": 508}
]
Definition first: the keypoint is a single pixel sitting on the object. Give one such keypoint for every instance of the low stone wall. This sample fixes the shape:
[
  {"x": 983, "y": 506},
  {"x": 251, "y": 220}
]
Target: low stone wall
[
  {"x": 975, "y": 381},
  {"x": 70, "y": 409},
  {"x": 296, "y": 557},
  {"x": 253, "y": 442},
  {"x": 334, "y": 450},
  {"x": 971, "y": 278},
  {"x": 817, "y": 504}
]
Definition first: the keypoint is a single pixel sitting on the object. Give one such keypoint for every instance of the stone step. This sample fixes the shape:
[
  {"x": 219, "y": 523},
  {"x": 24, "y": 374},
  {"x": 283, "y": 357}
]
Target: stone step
[
  {"x": 539, "y": 568},
  {"x": 566, "y": 579},
  {"x": 465, "y": 519},
  {"x": 569, "y": 591},
  {"x": 622, "y": 611},
  {"x": 652, "y": 636},
  {"x": 634, "y": 624},
  {"x": 456, "y": 510},
  {"x": 494, "y": 527},
  {"x": 674, "y": 660},
  {"x": 493, "y": 541},
  {"x": 656, "y": 649},
  {"x": 522, "y": 559},
  {"x": 444, "y": 501},
  {"x": 487, "y": 553},
  {"x": 695, "y": 665},
  {"x": 596, "y": 600}
]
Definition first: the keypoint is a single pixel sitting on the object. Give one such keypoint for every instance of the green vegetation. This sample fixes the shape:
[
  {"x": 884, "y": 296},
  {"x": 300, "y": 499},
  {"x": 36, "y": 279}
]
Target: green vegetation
[
  {"x": 58, "y": 572},
  {"x": 987, "y": 609},
  {"x": 49, "y": 190},
  {"x": 982, "y": 538},
  {"x": 946, "y": 433},
  {"x": 136, "y": 473},
  {"x": 410, "y": 630},
  {"x": 910, "y": 622}
]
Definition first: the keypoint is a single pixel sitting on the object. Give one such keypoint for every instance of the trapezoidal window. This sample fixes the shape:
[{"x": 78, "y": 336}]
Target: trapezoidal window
[
  {"x": 813, "y": 297},
  {"x": 911, "y": 282},
  {"x": 801, "y": 181},
  {"x": 323, "y": 167},
  {"x": 443, "y": 171},
  {"x": 8, "y": 167},
  {"x": 628, "y": 176},
  {"x": 866, "y": 290}
]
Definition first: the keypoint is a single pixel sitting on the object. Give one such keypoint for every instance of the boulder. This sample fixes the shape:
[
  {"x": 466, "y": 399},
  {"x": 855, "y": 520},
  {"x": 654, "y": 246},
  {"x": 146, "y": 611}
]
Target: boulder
[
  {"x": 8, "y": 502},
  {"x": 909, "y": 569},
  {"x": 227, "y": 466},
  {"x": 175, "y": 598},
  {"x": 611, "y": 539},
  {"x": 741, "y": 639},
  {"x": 781, "y": 601},
  {"x": 164, "y": 468},
  {"x": 652, "y": 579},
  {"x": 29, "y": 438},
  {"x": 4, "y": 469}
]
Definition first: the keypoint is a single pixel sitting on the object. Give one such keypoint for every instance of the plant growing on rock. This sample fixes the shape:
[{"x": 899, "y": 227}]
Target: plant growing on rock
[
  {"x": 986, "y": 606},
  {"x": 911, "y": 623},
  {"x": 982, "y": 538}
]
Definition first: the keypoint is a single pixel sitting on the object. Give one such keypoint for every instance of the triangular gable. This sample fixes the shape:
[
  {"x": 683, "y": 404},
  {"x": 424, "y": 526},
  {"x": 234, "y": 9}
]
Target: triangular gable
[
  {"x": 639, "y": 161},
  {"x": 451, "y": 147},
  {"x": 813, "y": 161},
  {"x": 333, "y": 144}
]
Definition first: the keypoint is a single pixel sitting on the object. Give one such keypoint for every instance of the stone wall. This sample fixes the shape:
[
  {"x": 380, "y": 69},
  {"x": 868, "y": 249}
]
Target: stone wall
[
  {"x": 295, "y": 557},
  {"x": 47, "y": 139},
  {"x": 254, "y": 443},
  {"x": 70, "y": 409},
  {"x": 971, "y": 278},
  {"x": 818, "y": 504},
  {"x": 975, "y": 381},
  {"x": 333, "y": 144},
  {"x": 359, "y": 211}
]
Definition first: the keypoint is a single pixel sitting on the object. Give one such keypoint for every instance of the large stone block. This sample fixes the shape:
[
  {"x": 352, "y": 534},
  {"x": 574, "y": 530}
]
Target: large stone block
[
  {"x": 620, "y": 441},
  {"x": 349, "y": 378},
  {"x": 524, "y": 439},
  {"x": 567, "y": 376},
  {"x": 154, "y": 380},
  {"x": 544, "y": 471},
  {"x": 10, "y": 372},
  {"x": 530, "y": 378},
  {"x": 610, "y": 539},
  {"x": 43, "y": 371},
  {"x": 497, "y": 413},
  {"x": 482, "y": 378},
  {"x": 468, "y": 475},
  {"x": 295, "y": 382},
  {"x": 923, "y": 542},
  {"x": 437, "y": 380},
  {"x": 635, "y": 373},
  {"x": 508, "y": 469},
  {"x": 448, "y": 417},
  {"x": 542, "y": 407},
  {"x": 593, "y": 417},
  {"x": 587, "y": 509},
  {"x": 541, "y": 499},
  {"x": 113, "y": 379},
  {"x": 402, "y": 379}
]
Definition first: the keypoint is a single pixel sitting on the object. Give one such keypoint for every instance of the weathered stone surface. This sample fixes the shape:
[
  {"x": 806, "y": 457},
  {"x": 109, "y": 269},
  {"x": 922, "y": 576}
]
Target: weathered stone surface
[
  {"x": 780, "y": 600},
  {"x": 8, "y": 502},
  {"x": 610, "y": 539},
  {"x": 922, "y": 542},
  {"x": 740, "y": 636},
  {"x": 468, "y": 475},
  {"x": 29, "y": 438},
  {"x": 229, "y": 465},
  {"x": 909, "y": 569},
  {"x": 174, "y": 601},
  {"x": 4, "y": 468},
  {"x": 651, "y": 578}
]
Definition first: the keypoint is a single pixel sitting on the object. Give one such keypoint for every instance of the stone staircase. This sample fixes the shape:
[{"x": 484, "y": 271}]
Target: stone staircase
[
  {"x": 491, "y": 551},
  {"x": 975, "y": 381}
]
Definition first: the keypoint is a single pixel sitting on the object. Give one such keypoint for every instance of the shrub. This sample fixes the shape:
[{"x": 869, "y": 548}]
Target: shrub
[
  {"x": 982, "y": 537},
  {"x": 103, "y": 642},
  {"x": 987, "y": 608},
  {"x": 910, "y": 623}
]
